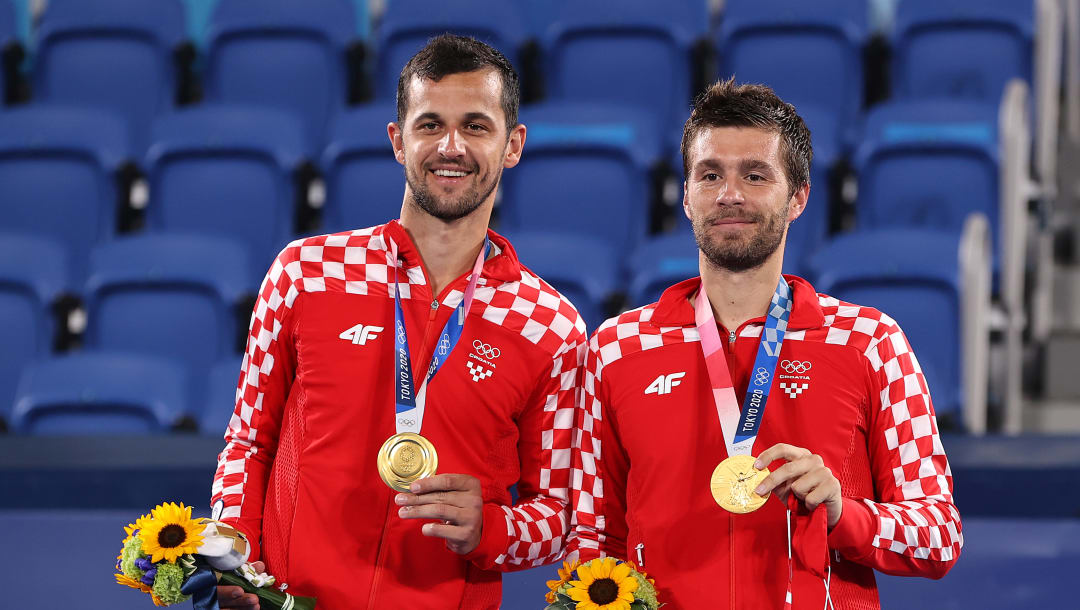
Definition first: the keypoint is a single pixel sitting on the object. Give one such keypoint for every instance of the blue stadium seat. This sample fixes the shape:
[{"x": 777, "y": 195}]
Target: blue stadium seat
[
  {"x": 227, "y": 171},
  {"x": 59, "y": 163},
  {"x": 629, "y": 53},
  {"x": 583, "y": 270},
  {"x": 173, "y": 296},
  {"x": 364, "y": 182},
  {"x": 407, "y": 25},
  {"x": 115, "y": 55},
  {"x": 913, "y": 276},
  {"x": 216, "y": 411},
  {"x": 961, "y": 48},
  {"x": 91, "y": 394},
  {"x": 808, "y": 52},
  {"x": 586, "y": 170},
  {"x": 658, "y": 263},
  {"x": 281, "y": 53},
  {"x": 929, "y": 163},
  {"x": 33, "y": 273}
]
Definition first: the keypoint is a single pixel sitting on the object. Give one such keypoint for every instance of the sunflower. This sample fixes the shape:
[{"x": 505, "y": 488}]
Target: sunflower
[
  {"x": 171, "y": 533},
  {"x": 128, "y": 581},
  {"x": 565, "y": 573},
  {"x": 604, "y": 585},
  {"x": 133, "y": 528}
]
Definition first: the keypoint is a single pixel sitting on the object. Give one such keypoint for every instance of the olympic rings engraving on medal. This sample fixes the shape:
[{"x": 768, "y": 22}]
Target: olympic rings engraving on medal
[
  {"x": 485, "y": 350},
  {"x": 444, "y": 344},
  {"x": 761, "y": 376},
  {"x": 400, "y": 332},
  {"x": 796, "y": 367}
]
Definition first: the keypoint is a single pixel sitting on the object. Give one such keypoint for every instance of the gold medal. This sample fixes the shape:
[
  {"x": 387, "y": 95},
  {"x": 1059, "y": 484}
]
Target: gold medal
[
  {"x": 405, "y": 458},
  {"x": 733, "y": 484}
]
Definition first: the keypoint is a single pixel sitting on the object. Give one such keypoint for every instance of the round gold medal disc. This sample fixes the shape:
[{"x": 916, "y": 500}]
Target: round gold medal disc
[
  {"x": 733, "y": 484},
  {"x": 405, "y": 458}
]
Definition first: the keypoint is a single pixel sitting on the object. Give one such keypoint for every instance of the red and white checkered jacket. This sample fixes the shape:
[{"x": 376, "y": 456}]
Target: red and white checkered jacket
[
  {"x": 315, "y": 402},
  {"x": 847, "y": 387}
]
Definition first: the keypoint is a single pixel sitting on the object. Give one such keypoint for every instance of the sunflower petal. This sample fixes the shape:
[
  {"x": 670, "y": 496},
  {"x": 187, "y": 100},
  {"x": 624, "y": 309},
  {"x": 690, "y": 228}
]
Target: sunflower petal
[{"x": 620, "y": 572}]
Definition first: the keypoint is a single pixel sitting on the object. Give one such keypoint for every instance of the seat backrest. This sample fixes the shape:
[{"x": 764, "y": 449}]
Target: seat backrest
[
  {"x": 217, "y": 409},
  {"x": 33, "y": 273},
  {"x": 61, "y": 163},
  {"x": 961, "y": 48},
  {"x": 808, "y": 52},
  {"x": 913, "y": 276},
  {"x": 929, "y": 163},
  {"x": 281, "y": 53},
  {"x": 586, "y": 170},
  {"x": 227, "y": 171},
  {"x": 584, "y": 271},
  {"x": 364, "y": 181},
  {"x": 407, "y": 25},
  {"x": 172, "y": 296},
  {"x": 658, "y": 263},
  {"x": 116, "y": 55},
  {"x": 632, "y": 54},
  {"x": 89, "y": 394}
]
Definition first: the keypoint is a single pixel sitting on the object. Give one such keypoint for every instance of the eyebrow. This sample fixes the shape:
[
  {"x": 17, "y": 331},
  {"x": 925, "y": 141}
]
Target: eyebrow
[
  {"x": 469, "y": 117},
  {"x": 745, "y": 165}
]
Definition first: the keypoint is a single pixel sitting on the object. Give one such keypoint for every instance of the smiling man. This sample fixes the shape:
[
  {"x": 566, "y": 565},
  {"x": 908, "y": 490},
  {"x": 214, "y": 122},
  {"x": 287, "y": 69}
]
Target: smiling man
[
  {"x": 400, "y": 378},
  {"x": 749, "y": 443}
]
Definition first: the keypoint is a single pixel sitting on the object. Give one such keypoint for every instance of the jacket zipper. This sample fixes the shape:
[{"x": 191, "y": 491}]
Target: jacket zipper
[
  {"x": 731, "y": 337},
  {"x": 379, "y": 556}
]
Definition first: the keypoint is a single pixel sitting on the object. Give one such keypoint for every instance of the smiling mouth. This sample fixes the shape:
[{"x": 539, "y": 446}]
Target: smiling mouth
[{"x": 450, "y": 173}]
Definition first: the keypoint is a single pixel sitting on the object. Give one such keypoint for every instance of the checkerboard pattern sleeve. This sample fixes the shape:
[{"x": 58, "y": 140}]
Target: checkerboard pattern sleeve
[{"x": 918, "y": 529}]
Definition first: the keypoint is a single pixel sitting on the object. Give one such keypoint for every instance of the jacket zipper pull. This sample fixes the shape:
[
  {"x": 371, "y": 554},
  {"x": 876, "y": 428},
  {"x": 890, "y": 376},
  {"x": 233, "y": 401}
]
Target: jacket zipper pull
[
  {"x": 640, "y": 548},
  {"x": 731, "y": 337}
]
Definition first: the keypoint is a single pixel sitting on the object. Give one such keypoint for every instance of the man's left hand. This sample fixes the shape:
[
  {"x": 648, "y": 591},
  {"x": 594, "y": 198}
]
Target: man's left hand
[
  {"x": 805, "y": 475},
  {"x": 452, "y": 499}
]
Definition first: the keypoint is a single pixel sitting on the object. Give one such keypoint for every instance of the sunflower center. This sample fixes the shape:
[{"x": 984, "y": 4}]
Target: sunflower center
[
  {"x": 603, "y": 591},
  {"x": 171, "y": 536}
]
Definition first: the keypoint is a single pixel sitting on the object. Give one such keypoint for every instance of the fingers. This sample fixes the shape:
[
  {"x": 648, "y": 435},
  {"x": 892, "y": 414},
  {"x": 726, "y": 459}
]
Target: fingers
[
  {"x": 779, "y": 451},
  {"x": 445, "y": 482},
  {"x": 455, "y": 535},
  {"x": 235, "y": 597},
  {"x": 790, "y": 472},
  {"x": 453, "y": 498},
  {"x": 440, "y": 512}
]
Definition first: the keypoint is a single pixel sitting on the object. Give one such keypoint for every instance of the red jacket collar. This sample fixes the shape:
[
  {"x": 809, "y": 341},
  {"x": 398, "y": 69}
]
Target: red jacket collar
[
  {"x": 674, "y": 308},
  {"x": 503, "y": 266}
]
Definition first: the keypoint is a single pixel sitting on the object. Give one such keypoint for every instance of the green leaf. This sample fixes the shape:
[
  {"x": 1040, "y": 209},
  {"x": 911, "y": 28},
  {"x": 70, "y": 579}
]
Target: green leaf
[{"x": 639, "y": 605}]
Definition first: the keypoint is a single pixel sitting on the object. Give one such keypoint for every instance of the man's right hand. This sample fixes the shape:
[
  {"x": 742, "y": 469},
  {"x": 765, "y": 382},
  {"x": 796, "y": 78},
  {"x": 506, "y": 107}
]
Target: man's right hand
[{"x": 230, "y": 596}]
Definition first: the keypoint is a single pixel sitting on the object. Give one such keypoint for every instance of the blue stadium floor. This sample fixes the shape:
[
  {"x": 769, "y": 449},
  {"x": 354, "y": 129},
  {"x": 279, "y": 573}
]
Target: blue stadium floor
[{"x": 55, "y": 560}]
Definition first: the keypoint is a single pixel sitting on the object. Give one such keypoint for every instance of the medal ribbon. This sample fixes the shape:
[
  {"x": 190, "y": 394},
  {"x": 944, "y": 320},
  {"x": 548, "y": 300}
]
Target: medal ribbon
[
  {"x": 409, "y": 401},
  {"x": 741, "y": 429}
]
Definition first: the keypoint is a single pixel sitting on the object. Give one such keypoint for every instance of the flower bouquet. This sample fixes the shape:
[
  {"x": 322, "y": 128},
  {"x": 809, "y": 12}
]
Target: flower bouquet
[
  {"x": 602, "y": 584},
  {"x": 175, "y": 558}
]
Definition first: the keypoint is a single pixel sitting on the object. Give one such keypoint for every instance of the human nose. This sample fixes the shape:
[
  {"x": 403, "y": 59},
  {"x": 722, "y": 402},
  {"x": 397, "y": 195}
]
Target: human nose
[
  {"x": 452, "y": 145},
  {"x": 729, "y": 193}
]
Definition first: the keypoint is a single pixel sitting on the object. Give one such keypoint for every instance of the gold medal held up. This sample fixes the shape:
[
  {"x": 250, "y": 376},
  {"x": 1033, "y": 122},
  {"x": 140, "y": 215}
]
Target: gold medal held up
[
  {"x": 733, "y": 484},
  {"x": 406, "y": 457}
]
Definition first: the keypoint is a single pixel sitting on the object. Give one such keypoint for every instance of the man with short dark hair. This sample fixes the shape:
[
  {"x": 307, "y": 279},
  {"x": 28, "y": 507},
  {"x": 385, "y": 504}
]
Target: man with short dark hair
[
  {"x": 749, "y": 443},
  {"x": 382, "y": 356}
]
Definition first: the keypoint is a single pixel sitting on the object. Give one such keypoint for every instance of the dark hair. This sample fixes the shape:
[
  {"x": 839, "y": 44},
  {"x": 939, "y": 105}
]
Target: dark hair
[
  {"x": 451, "y": 54},
  {"x": 725, "y": 104}
]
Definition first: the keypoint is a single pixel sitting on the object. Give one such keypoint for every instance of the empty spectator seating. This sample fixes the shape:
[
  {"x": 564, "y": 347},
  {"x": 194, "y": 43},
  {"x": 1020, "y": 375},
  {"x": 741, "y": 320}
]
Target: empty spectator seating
[
  {"x": 93, "y": 394},
  {"x": 116, "y": 55},
  {"x": 282, "y": 53}
]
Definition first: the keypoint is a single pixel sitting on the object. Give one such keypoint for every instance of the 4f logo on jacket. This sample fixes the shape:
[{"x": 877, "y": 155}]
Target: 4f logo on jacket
[
  {"x": 360, "y": 334},
  {"x": 664, "y": 383}
]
